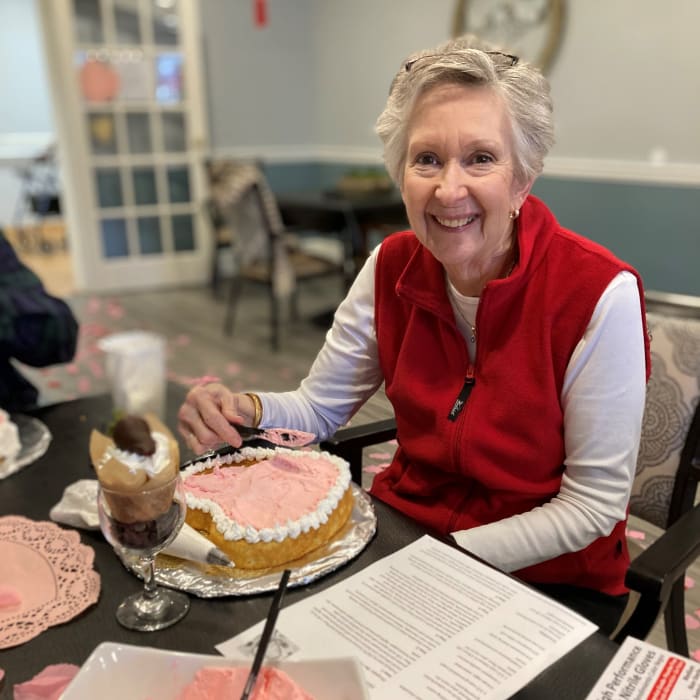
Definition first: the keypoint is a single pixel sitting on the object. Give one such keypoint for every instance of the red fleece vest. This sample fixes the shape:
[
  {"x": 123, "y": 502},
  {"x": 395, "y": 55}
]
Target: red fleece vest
[{"x": 503, "y": 452}]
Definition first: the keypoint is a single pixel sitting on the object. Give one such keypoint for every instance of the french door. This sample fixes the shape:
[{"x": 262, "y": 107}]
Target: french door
[{"x": 129, "y": 101}]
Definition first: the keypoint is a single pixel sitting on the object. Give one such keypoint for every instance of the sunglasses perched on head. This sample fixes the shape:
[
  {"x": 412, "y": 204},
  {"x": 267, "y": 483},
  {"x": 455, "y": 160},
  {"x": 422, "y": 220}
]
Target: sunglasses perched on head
[{"x": 507, "y": 60}]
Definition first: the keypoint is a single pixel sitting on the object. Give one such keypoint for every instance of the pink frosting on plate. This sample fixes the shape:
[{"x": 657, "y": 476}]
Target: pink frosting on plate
[
  {"x": 49, "y": 684},
  {"x": 267, "y": 493},
  {"x": 214, "y": 683}
]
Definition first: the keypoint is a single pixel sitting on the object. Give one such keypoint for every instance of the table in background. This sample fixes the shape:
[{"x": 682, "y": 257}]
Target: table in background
[
  {"x": 34, "y": 490},
  {"x": 335, "y": 211}
]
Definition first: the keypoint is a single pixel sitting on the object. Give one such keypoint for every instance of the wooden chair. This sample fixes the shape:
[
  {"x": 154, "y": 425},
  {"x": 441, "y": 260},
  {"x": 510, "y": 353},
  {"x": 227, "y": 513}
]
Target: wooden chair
[
  {"x": 221, "y": 242},
  {"x": 263, "y": 250},
  {"x": 668, "y": 470}
]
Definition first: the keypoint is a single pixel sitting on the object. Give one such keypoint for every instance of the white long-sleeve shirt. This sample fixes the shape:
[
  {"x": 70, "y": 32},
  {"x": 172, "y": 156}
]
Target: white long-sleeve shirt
[{"x": 602, "y": 398}]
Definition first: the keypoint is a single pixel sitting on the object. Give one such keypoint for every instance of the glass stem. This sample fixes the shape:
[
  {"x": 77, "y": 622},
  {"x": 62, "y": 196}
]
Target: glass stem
[{"x": 149, "y": 579}]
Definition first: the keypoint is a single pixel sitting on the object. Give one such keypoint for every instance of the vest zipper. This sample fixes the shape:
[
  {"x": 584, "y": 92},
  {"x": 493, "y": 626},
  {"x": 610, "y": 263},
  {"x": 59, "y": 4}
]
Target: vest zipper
[
  {"x": 463, "y": 396},
  {"x": 459, "y": 404}
]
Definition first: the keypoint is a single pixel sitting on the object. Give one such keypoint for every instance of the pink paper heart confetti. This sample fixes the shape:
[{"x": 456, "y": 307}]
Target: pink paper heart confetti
[
  {"x": 9, "y": 597},
  {"x": 96, "y": 368},
  {"x": 375, "y": 468},
  {"x": 115, "y": 310},
  {"x": 692, "y": 622}
]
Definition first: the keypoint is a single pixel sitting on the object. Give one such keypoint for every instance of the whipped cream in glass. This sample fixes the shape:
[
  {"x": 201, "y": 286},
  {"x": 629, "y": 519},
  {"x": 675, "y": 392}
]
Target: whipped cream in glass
[{"x": 151, "y": 464}]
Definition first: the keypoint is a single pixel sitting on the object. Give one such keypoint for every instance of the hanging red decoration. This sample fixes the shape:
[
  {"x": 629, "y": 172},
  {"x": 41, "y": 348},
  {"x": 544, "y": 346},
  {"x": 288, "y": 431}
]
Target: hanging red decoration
[{"x": 260, "y": 11}]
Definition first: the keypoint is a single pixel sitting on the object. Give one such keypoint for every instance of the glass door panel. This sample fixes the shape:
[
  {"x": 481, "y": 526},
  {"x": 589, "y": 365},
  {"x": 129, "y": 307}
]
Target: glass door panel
[
  {"x": 114, "y": 238},
  {"x": 183, "y": 232},
  {"x": 109, "y": 188},
  {"x": 135, "y": 79},
  {"x": 166, "y": 23},
  {"x": 179, "y": 184},
  {"x": 102, "y": 132},
  {"x": 138, "y": 129},
  {"x": 145, "y": 190},
  {"x": 88, "y": 21},
  {"x": 173, "y": 129},
  {"x": 127, "y": 21},
  {"x": 169, "y": 78},
  {"x": 150, "y": 241}
]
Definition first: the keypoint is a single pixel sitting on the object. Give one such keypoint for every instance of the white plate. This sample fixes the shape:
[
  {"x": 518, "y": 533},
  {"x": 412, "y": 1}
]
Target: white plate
[
  {"x": 119, "y": 671},
  {"x": 34, "y": 437}
]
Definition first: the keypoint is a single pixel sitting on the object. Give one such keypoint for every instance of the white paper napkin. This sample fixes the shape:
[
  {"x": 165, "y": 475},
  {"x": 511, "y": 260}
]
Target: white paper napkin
[{"x": 78, "y": 508}]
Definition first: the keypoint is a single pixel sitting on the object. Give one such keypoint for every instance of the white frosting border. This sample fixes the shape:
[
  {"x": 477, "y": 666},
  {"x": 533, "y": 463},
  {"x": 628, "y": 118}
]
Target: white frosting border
[{"x": 232, "y": 531}]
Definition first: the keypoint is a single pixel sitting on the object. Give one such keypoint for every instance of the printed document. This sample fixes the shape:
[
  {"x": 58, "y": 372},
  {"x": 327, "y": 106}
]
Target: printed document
[
  {"x": 641, "y": 671},
  {"x": 428, "y": 621}
]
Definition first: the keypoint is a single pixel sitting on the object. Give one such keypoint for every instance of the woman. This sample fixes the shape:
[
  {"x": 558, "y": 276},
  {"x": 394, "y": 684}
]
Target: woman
[{"x": 513, "y": 351}]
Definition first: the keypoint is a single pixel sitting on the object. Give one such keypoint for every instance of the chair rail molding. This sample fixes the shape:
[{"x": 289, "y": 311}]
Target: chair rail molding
[
  {"x": 302, "y": 153},
  {"x": 647, "y": 172}
]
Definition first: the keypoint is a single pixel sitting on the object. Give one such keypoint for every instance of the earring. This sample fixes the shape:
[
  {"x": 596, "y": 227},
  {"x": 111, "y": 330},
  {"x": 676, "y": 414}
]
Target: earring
[{"x": 514, "y": 214}]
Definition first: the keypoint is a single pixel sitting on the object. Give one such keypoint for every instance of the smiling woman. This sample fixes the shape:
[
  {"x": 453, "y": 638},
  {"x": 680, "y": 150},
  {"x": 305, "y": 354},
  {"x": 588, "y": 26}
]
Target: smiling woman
[{"x": 512, "y": 350}]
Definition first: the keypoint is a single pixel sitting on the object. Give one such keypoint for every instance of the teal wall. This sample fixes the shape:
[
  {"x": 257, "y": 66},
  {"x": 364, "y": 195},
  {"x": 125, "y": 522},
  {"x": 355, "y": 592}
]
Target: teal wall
[
  {"x": 311, "y": 175},
  {"x": 656, "y": 228}
]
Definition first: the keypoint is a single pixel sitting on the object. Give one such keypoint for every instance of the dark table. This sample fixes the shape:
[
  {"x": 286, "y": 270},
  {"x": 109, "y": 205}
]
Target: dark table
[
  {"x": 334, "y": 211},
  {"x": 35, "y": 489}
]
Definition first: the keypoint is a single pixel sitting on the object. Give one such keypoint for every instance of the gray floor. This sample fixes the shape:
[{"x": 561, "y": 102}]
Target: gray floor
[{"x": 192, "y": 322}]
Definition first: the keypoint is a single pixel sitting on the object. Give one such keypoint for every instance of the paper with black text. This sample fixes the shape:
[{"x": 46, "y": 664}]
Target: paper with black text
[
  {"x": 429, "y": 621},
  {"x": 641, "y": 671}
]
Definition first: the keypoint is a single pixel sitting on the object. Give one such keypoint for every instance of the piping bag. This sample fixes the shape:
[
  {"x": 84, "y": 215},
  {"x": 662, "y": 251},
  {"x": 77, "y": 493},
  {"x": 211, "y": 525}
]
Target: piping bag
[{"x": 78, "y": 508}]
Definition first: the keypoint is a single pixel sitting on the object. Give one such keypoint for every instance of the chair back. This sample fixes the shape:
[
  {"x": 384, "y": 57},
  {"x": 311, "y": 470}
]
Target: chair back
[
  {"x": 242, "y": 197},
  {"x": 666, "y": 481}
]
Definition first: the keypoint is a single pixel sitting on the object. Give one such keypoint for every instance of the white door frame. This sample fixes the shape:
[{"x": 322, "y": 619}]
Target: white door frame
[{"x": 93, "y": 272}]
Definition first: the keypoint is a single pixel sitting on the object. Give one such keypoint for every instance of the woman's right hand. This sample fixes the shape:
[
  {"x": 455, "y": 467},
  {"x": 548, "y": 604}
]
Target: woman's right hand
[{"x": 205, "y": 418}]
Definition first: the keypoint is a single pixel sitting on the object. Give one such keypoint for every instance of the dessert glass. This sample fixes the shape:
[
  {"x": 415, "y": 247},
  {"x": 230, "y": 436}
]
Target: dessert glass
[{"x": 143, "y": 523}]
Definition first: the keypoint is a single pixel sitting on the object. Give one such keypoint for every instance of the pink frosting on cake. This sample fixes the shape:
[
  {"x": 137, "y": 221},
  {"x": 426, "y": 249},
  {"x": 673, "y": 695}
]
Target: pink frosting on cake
[
  {"x": 215, "y": 683},
  {"x": 268, "y": 493}
]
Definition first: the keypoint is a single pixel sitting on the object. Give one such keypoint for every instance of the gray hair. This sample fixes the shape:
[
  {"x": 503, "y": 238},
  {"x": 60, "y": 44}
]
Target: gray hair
[{"x": 468, "y": 60}]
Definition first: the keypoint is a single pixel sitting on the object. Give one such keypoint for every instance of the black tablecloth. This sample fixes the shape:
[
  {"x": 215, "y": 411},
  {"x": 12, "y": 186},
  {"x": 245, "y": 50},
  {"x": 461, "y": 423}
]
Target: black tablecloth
[{"x": 34, "y": 490}]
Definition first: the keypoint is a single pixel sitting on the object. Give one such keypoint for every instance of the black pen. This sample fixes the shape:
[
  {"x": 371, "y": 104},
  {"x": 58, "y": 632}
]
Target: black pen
[{"x": 266, "y": 635}]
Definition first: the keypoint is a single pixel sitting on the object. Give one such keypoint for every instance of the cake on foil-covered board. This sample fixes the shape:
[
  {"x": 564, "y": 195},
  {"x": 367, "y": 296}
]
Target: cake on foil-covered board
[{"x": 265, "y": 507}]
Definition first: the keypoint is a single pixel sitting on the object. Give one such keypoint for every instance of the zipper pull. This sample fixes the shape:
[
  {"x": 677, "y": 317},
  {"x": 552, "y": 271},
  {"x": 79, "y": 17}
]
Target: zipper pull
[{"x": 461, "y": 400}]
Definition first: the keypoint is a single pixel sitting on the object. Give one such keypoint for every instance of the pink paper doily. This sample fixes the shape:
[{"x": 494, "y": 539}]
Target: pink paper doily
[{"x": 52, "y": 572}]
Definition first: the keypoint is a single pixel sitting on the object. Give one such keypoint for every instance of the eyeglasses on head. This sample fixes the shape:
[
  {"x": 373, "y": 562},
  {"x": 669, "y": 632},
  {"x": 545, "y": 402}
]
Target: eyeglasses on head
[{"x": 508, "y": 59}]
